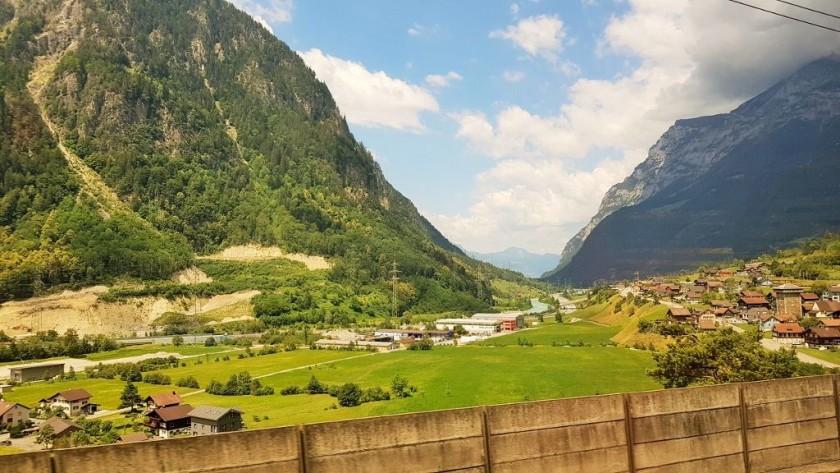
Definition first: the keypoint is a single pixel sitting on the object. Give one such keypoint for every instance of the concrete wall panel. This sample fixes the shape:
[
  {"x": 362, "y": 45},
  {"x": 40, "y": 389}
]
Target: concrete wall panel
[
  {"x": 787, "y": 389},
  {"x": 334, "y": 438},
  {"x": 671, "y": 401},
  {"x": 647, "y": 455},
  {"x": 607, "y": 460},
  {"x": 457, "y": 454},
  {"x": 729, "y": 464},
  {"x": 551, "y": 442},
  {"x": 38, "y": 462},
  {"x": 793, "y": 456},
  {"x": 790, "y": 411},
  {"x": 686, "y": 424},
  {"x": 792, "y": 433},
  {"x": 255, "y": 451},
  {"x": 556, "y": 413}
]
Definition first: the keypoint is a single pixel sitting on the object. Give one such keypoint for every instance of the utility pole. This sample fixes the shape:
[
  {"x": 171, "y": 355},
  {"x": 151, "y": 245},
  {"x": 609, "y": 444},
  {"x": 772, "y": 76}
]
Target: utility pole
[{"x": 395, "y": 276}]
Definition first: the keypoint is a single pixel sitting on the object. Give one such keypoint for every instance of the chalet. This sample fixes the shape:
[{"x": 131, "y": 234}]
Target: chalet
[
  {"x": 789, "y": 333},
  {"x": 156, "y": 401},
  {"x": 693, "y": 296},
  {"x": 166, "y": 422},
  {"x": 61, "y": 427},
  {"x": 822, "y": 337},
  {"x": 835, "y": 323},
  {"x": 12, "y": 413},
  {"x": 767, "y": 322},
  {"x": 725, "y": 273},
  {"x": 35, "y": 372},
  {"x": 755, "y": 314},
  {"x": 707, "y": 321},
  {"x": 680, "y": 315},
  {"x": 832, "y": 293},
  {"x": 750, "y": 294},
  {"x": 715, "y": 286},
  {"x": 753, "y": 302},
  {"x": 73, "y": 402},
  {"x": 724, "y": 312},
  {"x": 826, "y": 308},
  {"x": 206, "y": 420},
  {"x": 809, "y": 297}
]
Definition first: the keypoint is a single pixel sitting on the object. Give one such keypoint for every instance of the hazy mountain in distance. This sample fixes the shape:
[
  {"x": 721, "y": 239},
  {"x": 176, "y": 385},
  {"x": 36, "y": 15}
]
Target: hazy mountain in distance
[{"x": 517, "y": 259}]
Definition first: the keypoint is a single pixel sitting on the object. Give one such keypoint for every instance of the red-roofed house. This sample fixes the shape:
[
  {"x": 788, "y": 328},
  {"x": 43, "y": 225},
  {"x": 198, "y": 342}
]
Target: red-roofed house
[
  {"x": 73, "y": 402},
  {"x": 809, "y": 297},
  {"x": 168, "y": 421},
  {"x": 156, "y": 401},
  {"x": 753, "y": 302},
  {"x": 824, "y": 308},
  {"x": 789, "y": 333},
  {"x": 12, "y": 412}
]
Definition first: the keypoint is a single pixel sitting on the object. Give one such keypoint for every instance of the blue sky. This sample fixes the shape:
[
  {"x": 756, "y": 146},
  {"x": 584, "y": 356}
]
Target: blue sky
[{"x": 506, "y": 121}]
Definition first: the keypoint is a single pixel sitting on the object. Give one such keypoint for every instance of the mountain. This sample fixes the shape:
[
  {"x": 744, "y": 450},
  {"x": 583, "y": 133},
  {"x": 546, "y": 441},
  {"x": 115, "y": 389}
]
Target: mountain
[
  {"x": 135, "y": 135},
  {"x": 518, "y": 259},
  {"x": 731, "y": 185}
]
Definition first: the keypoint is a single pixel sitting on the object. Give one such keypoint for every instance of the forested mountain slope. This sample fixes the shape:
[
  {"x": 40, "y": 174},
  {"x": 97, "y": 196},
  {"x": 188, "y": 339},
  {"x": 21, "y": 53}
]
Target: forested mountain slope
[
  {"x": 137, "y": 133},
  {"x": 733, "y": 185}
]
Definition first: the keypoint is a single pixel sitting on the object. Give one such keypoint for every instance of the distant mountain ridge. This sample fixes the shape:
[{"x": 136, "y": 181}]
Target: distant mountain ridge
[
  {"x": 723, "y": 186},
  {"x": 517, "y": 259}
]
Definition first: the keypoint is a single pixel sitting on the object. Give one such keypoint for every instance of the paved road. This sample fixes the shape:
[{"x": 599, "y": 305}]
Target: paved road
[{"x": 771, "y": 344}]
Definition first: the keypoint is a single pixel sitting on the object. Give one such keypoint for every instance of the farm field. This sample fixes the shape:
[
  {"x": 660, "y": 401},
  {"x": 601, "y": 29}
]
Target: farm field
[
  {"x": 450, "y": 377},
  {"x": 583, "y": 331},
  {"x": 186, "y": 350}
]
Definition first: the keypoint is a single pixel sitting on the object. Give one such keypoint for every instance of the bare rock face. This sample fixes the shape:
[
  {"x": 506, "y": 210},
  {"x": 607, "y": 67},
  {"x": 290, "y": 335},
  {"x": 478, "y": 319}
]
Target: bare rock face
[{"x": 692, "y": 149}]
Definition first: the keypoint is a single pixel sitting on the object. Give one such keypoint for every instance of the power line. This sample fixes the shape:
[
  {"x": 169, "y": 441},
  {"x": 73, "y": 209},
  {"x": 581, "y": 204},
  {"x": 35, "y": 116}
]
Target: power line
[
  {"x": 809, "y": 9},
  {"x": 786, "y": 16}
]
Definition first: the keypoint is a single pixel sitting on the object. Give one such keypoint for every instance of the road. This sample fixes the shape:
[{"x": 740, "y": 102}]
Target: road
[{"x": 771, "y": 344}]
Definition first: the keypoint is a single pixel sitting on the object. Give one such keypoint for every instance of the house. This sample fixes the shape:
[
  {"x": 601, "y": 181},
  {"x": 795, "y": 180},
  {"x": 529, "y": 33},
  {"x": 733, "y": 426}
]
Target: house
[
  {"x": 753, "y": 302},
  {"x": 12, "y": 413},
  {"x": 755, "y": 314},
  {"x": 166, "y": 422},
  {"x": 826, "y": 308},
  {"x": 789, "y": 333},
  {"x": 717, "y": 303},
  {"x": 707, "y": 321},
  {"x": 725, "y": 273},
  {"x": 832, "y": 293},
  {"x": 809, "y": 297},
  {"x": 822, "y": 337},
  {"x": 835, "y": 323},
  {"x": 156, "y": 401},
  {"x": 680, "y": 315},
  {"x": 724, "y": 312},
  {"x": 206, "y": 420},
  {"x": 73, "y": 402},
  {"x": 767, "y": 322},
  {"x": 61, "y": 427},
  {"x": 35, "y": 372},
  {"x": 378, "y": 345},
  {"x": 715, "y": 286},
  {"x": 693, "y": 296}
]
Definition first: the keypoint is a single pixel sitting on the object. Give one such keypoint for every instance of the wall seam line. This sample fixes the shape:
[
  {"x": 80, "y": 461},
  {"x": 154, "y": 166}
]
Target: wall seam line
[
  {"x": 744, "y": 443},
  {"x": 628, "y": 433}
]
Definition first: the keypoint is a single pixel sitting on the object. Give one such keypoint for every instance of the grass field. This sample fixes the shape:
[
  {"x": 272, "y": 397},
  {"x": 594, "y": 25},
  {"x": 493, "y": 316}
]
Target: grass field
[
  {"x": 449, "y": 377},
  {"x": 563, "y": 333},
  {"x": 187, "y": 350},
  {"x": 827, "y": 355},
  {"x": 10, "y": 450}
]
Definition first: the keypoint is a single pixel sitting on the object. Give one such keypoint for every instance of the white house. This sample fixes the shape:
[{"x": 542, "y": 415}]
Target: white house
[{"x": 472, "y": 326}]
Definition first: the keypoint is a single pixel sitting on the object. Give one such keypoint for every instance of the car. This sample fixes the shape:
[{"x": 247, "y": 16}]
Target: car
[{"x": 5, "y": 443}]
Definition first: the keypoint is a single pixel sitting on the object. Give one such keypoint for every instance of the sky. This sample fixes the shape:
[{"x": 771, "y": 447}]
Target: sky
[{"x": 505, "y": 122}]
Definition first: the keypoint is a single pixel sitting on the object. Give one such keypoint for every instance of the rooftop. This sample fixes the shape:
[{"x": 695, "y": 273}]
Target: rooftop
[{"x": 212, "y": 412}]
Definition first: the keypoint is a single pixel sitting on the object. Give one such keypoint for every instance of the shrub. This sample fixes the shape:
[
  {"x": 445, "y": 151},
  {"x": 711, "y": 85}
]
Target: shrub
[
  {"x": 291, "y": 390},
  {"x": 157, "y": 378},
  {"x": 349, "y": 395},
  {"x": 188, "y": 382}
]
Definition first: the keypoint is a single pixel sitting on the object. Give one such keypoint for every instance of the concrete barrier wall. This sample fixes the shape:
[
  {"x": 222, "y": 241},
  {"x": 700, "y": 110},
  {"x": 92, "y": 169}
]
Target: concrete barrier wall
[{"x": 771, "y": 426}]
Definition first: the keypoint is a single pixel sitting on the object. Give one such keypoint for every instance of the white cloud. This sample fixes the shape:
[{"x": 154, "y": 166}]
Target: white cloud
[
  {"x": 423, "y": 30},
  {"x": 694, "y": 58},
  {"x": 514, "y": 9},
  {"x": 371, "y": 99},
  {"x": 443, "y": 80},
  {"x": 513, "y": 76},
  {"x": 540, "y": 36},
  {"x": 271, "y": 11}
]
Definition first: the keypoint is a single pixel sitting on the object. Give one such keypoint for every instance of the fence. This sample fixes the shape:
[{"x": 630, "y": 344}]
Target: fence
[{"x": 770, "y": 426}]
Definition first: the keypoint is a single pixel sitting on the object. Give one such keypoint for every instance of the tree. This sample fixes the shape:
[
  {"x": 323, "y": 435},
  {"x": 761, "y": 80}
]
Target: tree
[
  {"x": 401, "y": 388},
  {"x": 130, "y": 396},
  {"x": 210, "y": 342},
  {"x": 349, "y": 395},
  {"x": 177, "y": 340},
  {"x": 46, "y": 436},
  {"x": 724, "y": 357}
]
